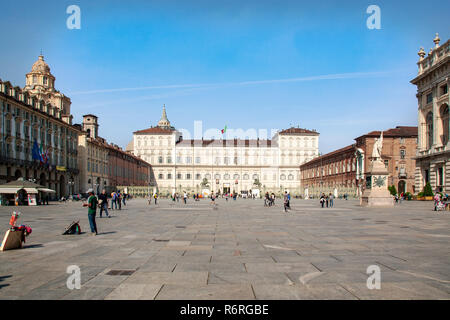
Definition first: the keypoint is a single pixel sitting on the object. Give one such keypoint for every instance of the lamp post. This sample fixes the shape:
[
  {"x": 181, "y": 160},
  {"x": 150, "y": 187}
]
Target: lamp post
[{"x": 71, "y": 184}]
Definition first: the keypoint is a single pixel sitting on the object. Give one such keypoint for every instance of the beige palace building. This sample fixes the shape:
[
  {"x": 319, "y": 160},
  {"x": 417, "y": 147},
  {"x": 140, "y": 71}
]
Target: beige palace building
[
  {"x": 223, "y": 166},
  {"x": 38, "y": 113},
  {"x": 433, "y": 152}
]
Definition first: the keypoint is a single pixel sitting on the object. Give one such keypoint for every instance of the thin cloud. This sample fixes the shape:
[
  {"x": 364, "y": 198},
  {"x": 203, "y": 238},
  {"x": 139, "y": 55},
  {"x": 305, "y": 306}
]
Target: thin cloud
[{"x": 337, "y": 76}]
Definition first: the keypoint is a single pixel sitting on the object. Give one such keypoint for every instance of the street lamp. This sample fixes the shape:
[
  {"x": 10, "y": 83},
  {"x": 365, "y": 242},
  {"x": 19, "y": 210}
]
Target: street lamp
[{"x": 71, "y": 184}]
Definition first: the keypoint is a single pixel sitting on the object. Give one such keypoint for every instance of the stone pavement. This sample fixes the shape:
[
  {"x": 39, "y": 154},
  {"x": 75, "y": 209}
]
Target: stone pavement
[{"x": 239, "y": 251}]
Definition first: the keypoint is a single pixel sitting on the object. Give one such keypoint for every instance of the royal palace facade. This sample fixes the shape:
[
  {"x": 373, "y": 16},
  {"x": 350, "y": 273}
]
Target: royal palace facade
[
  {"x": 433, "y": 152},
  {"x": 224, "y": 166}
]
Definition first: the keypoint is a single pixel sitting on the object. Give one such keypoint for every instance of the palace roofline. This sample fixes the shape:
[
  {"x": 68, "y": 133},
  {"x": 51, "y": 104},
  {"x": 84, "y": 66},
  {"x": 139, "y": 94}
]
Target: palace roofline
[{"x": 399, "y": 131}]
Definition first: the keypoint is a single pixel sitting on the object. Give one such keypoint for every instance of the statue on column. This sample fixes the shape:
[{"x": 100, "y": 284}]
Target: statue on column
[{"x": 377, "y": 147}]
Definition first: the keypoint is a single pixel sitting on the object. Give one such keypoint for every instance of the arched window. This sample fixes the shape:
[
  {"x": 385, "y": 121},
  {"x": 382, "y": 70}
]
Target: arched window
[
  {"x": 429, "y": 121},
  {"x": 445, "y": 124}
]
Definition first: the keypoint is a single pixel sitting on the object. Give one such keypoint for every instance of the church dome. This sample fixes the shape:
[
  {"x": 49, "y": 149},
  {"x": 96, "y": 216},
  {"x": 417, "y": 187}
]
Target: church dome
[{"x": 40, "y": 66}]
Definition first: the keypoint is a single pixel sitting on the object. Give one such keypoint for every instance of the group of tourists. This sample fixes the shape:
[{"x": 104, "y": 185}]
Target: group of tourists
[
  {"x": 327, "y": 200},
  {"x": 269, "y": 199},
  {"x": 176, "y": 196},
  {"x": 441, "y": 202},
  {"x": 101, "y": 201}
]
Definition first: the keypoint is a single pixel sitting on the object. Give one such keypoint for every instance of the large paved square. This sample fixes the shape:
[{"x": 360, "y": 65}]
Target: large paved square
[{"x": 242, "y": 250}]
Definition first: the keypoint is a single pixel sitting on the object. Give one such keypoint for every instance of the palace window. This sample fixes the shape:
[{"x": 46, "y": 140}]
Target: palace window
[
  {"x": 445, "y": 124},
  {"x": 444, "y": 89},
  {"x": 198, "y": 176},
  {"x": 402, "y": 154},
  {"x": 178, "y": 175},
  {"x": 226, "y": 176},
  {"x": 429, "y": 123},
  {"x": 217, "y": 176},
  {"x": 291, "y": 177},
  {"x": 429, "y": 98},
  {"x": 197, "y": 160},
  {"x": 188, "y": 176},
  {"x": 282, "y": 177},
  {"x": 188, "y": 159},
  {"x": 169, "y": 176},
  {"x": 246, "y": 176},
  {"x": 160, "y": 176},
  {"x": 169, "y": 159},
  {"x": 160, "y": 159}
]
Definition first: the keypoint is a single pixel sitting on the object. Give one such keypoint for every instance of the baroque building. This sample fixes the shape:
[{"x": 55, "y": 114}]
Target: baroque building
[
  {"x": 36, "y": 117},
  {"x": 433, "y": 152},
  {"x": 334, "y": 172},
  {"x": 105, "y": 165},
  {"x": 343, "y": 171},
  {"x": 224, "y": 166}
]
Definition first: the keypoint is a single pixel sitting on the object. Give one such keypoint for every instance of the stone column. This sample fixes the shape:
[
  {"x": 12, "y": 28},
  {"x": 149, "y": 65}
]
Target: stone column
[
  {"x": 434, "y": 92},
  {"x": 446, "y": 172},
  {"x": 432, "y": 173}
]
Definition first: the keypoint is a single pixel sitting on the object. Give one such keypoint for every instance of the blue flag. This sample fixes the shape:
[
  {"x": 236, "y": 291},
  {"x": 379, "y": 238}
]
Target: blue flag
[{"x": 35, "y": 152}]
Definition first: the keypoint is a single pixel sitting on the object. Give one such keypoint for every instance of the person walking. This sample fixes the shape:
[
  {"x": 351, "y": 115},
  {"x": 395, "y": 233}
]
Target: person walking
[
  {"x": 331, "y": 200},
  {"x": 437, "y": 199},
  {"x": 155, "y": 196},
  {"x": 185, "y": 197},
  {"x": 103, "y": 202},
  {"x": 285, "y": 201},
  {"x": 92, "y": 211},
  {"x": 322, "y": 199},
  {"x": 113, "y": 200},
  {"x": 289, "y": 201},
  {"x": 119, "y": 200},
  {"x": 124, "y": 199}
]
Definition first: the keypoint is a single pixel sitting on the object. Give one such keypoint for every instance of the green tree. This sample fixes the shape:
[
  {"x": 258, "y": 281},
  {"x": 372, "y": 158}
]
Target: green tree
[
  {"x": 427, "y": 191},
  {"x": 392, "y": 190}
]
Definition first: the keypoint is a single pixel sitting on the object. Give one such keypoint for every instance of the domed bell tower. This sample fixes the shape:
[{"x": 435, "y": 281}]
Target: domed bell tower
[{"x": 90, "y": 126}]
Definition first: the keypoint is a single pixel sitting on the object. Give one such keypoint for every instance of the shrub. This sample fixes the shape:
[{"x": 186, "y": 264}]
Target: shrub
[
  {"x": 427, "y": 191},
  {"x": 392, "y": 190},
  {"x": 420, "y": 194}
]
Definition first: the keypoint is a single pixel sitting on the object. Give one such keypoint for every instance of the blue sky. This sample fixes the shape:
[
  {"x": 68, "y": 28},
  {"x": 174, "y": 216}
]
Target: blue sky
[{"x": 221, "y": 62}]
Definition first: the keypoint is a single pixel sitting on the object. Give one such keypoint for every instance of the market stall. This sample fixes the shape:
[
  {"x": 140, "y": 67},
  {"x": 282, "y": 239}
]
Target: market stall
[{"x": 22, "y": 192}]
